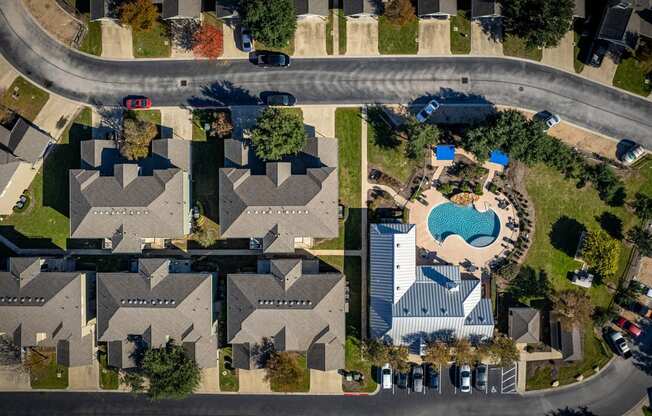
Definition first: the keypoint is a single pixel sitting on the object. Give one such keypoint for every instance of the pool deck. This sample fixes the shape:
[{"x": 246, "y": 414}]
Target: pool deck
[{"x": 454, "y": 250}]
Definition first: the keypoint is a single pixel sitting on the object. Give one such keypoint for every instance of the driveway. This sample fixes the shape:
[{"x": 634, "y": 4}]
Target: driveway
[
  {"x": 12, "y": 379},
  {"x": 325, "y": 382},
  {"x": 434, "y": 37},
  {"x": 116, "y": 41},
  {"x": 319, "y": 120},
  {"x": 84, "y": 377},
  {"x": 604, "y": 74},
  {"x": 310, "y": 37},
  {"x": 362, "y": 37},
  {"x": 55, "y": 115},
  {"x": 562, "y": 56},
  {"x": 7, "y": 74},
  {"x": 486, "y": 37},
  {"x": 253, "y": 381},
  {"x": 231, "y": 42},
  {"x": 210, "y": 381},
  {"x": 176, "y": 123}
]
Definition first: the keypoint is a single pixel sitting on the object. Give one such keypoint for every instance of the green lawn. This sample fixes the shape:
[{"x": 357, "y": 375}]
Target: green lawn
[
  {"x": 23, "y": 98},
  {"x": 351, "y": 267},
  {"x": 45, "y": 223},
  {"x": 152, "y": 43},
  {"x": 640, "y": 177},
  {"x": 596, "y": 353},
  {"x": 460, "y": 34},
  {"x": 397, "y": 39},
  {"x": 341, "y": 27},
  {"x": 228, "y": 378},
  {"x": 329, "y": 31},
  {"x": 92, "y": 42},
  {"x": 385, "y": 151},
  {"x": 355, "y": 362},
  {"x": 109, "y": 377},
  {"x": 515, "y": 46},
  {"x": 288, "y": 49},
  {"x": 44, "y": 371},
  {"x": 630, "y": 76},
  {"x": 579, "y": 66},
  {"x": 561, "y": 210},
  {"x": 300, "y": 385},
  {"x": 348, "y": 125}
]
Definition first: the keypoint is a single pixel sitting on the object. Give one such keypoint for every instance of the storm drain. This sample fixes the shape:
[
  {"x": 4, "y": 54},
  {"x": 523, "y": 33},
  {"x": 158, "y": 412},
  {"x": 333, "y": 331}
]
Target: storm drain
[
  {"x": 465, "y": 80},
  {"x": 183, "y": 82}
]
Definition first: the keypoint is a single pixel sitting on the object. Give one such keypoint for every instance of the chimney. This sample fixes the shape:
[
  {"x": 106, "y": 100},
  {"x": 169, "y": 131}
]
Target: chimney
[
  {"x": 125, "y": 173},
  {"x": 278, "y": 172}
]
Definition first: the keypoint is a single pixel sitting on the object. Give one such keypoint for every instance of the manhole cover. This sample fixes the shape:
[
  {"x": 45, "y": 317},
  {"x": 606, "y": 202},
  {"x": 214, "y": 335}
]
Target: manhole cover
[
  {"x": 520, "y": 89},
  {"x": 465, "y": 80},
  {"x": 184, "y": 82}
]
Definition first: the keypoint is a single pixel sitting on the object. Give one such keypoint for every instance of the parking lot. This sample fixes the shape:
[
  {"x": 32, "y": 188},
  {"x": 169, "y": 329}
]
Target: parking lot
[{"x": 500, "y": 381}]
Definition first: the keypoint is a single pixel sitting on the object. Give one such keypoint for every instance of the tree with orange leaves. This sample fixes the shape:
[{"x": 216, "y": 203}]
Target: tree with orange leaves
[{"x": 209, "y": 42}]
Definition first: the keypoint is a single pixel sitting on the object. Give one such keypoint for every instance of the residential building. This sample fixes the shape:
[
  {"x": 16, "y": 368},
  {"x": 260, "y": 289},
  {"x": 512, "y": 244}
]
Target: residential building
[
  {"x": 524, "y": 325},
  {"x": 280, "y": 204},
  {"x": 569, "y": 342},
  {"x": 361, "y": 8},
  {"x": 289, "y": 304},
  {"x": 436, "y": 8},
  {"x": 152, "y": 305},
  {"x": 226, "y": 9},
  {"x": 43, "y": 307},
  {"x": 643, "y": 12},
  {"x": 411, "y": 304},
  {"x": 170, "y": 9},
  {"x": 619, "y": 25},
  {"x": 22, "y": 150},
  {"x": 307, "y": 8},
  {"x": 580, "y": 9},
  {"x": 131, "y": 205},
  {"x": 485, "y": 8}
]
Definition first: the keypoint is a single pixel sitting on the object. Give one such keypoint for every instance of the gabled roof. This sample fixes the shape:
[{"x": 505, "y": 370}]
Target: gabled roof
[
  {"x": 568, "y": 342},
  {"x": 356, "y": 7},
  {"x": 156, "y": 305},
  {"x": 180, "y": 8},
  {"x": 25, "y": 141},
  {"x": 524, "y": 325},
  {"x": 311, "y": 7},
  {"x": 580, "y": 9},
  {"x": 99, "y": 9},
  {"x": 484, "y": 8},
  {"x": 437, "y": 7},
  {"x": 644, "y": 17},
  {"x": 36, "y": 303},
  {"x": 615, "y": 25},
  {"x": 290, "y": 302}
]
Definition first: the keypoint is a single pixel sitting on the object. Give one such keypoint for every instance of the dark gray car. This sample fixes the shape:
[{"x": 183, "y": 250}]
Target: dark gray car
[
  {"x": 481, "y": 377},
  {"x": 417, "y": 379}
]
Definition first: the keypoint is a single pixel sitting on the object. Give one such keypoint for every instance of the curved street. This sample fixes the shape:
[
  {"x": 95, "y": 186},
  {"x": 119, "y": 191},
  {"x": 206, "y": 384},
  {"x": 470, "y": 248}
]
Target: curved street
[{"x": 467, "y": 79}]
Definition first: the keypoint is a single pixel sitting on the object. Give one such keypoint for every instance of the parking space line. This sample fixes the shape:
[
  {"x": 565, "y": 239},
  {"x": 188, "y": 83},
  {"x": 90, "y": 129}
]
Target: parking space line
[{"x": 441, "y": 378}]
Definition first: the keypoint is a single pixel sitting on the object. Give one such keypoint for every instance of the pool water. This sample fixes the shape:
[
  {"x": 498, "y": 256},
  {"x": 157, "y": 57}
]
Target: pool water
[{"x": 479, "y": 229}]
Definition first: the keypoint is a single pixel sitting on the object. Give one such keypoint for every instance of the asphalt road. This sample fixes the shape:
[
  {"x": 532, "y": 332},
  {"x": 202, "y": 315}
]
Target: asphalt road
[{"x": 499, "y": 81}]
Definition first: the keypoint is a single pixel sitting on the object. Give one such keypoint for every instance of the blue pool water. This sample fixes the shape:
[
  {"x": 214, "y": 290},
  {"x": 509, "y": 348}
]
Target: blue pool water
[{"x": 479, "y": 229}]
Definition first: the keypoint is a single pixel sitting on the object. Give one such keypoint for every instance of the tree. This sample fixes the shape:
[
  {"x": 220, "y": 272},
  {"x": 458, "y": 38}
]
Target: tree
[
  {"x": 282, "y": 368},
  {"x": 400, "y": 12},
  {"x": 278, "y": 133},
  {"x": 203, "y": 234},
  {"x": 502, "y": 351},
  {"x": 601, "y": 252},
  {"x": 642, "y": 239},
  {"x": 421, "y": 136},
  {"x": 464, "y": 353},
  {"x": 609, "y": 186},
  {"x": 222, "y": 126},
  {"x": 171, "y": 373},
  {"x": 397, "y": 357},
  {"x": 376, "y": 352},
  {"x": 139, "y": 14},
  {"x": 643, "y": 206},
  {"x": 438, "y": 353},
  {"x": 136, "y": 137},
  {"x": 272, "y": 22},
  {"x": 573, "y": 306},
  {"x": 208, "y": 42},
  {"x": 541, "y": 23}
]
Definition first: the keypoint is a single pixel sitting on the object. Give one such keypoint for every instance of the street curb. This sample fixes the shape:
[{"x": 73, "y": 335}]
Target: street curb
[{"x": 632, "y": 411}]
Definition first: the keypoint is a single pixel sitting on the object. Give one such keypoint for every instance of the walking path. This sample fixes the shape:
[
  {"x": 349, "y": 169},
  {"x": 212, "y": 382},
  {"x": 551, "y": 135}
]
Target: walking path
[
  {"x": 400, "y": 200},
  {"x": 363, "y": 225}
]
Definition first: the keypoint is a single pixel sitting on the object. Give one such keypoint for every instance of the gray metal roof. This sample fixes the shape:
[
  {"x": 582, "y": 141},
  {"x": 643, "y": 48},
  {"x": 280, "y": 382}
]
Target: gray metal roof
[
  {"x": 524, "y": 325},
  {"x": 311, "y": 7},
  {"x": 156, "y": 305},
  {"x": 357, "y": 7},
  {"x": 484, "y": 8},
  {"x": 288, "y": 302},
  {"x": 437, "y": 7},
  {"x": 35, "y": 302},
  {"x": 25, "y": 141}
]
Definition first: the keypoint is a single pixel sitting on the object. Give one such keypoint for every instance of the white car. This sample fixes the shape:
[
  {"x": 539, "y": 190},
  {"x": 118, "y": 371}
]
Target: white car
[
  {"x": 633, "y": 154},
  {"x": 465, "y": 378},
  {"x": 426, "y": 111},
  {"x": 552, "y": 120},
  {"x": 386, "y": 376},
  {"x": 621, "y": 344}
]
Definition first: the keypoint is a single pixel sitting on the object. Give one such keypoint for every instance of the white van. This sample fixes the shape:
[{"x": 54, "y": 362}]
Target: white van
[{"x": 386, "y": 376}]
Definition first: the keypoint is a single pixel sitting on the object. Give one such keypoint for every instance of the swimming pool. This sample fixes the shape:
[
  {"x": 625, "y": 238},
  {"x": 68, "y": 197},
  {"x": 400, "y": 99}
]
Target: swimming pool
[{"x": 479, "y": 229}]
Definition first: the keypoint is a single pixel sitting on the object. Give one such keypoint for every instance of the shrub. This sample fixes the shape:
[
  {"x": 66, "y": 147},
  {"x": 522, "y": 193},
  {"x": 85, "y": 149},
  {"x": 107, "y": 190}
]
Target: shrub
[
  {"x": 400, "y": 12},
  {"x": 271, "y": 22},
  {"x": 477, "y": 189},
  {"x": 278, "y": 133},
  {"x": 137, "y": 135},
  {"x": 446, "y": 188},
  {"x": 139, "y": 14},
  {"x": 208, "y": 42}
]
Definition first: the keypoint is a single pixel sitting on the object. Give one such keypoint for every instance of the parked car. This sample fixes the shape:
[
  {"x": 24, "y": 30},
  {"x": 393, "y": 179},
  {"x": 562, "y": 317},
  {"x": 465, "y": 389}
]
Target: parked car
[
  {"x": 598, "y": 51},
  {"x": 374, "y": 175},
  {"x": 246, "y": 40},
  {"x": 277, "y": 59},
  {"x": 552, "y": 121},
  {"x": 137, "y": 103},
  {"x": 279, "y": 99},
  {"x": 640, "y": 309},
  {"x": 402, "y": 380},
  {"x": 433, "y": 378},
  {"x": 633, "y": 154},
  {"x": 386, "y": 376},
  {"x": 465, "y": 378},
  {"x": 620, "y": 344},
  {"x": 481, "y": 376},
  {"x": 629, "y": 326},
  {"x": 417, "y": 379},
  {"x": 427, "y": 111}
]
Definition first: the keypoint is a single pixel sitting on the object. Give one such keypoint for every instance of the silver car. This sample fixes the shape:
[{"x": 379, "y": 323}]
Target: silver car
[
  {"x": 247, "y": 41},
  {"x": 632, "y": 155},
  {"x": 417, "y": 379}
]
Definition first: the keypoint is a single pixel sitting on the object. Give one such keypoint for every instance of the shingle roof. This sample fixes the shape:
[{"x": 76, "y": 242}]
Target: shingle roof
[
  {"x": 180, "y": 8},
  {"x": 157, "y": 305},
  {"x": 437, "y": 7},
  {"x": 484, "y": 8},
  {"x": 25, "y": 141},
  {"x": 313, "y": 7},
  {"x": 354, "y": 7},
  {"x": 99, "y": 9},
  {"x": 35, "y": 301},
  {"x": 580, "y": 9},
  {"x": 524, "y": 325},
  {"x": 615, "y": 24},
  {"x": 289, "y": 301}
]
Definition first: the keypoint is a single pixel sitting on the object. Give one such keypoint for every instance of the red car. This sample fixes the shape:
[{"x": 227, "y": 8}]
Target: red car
[
  {"x": 629, "y": 326},
  {"x": 137, "y": 103}
]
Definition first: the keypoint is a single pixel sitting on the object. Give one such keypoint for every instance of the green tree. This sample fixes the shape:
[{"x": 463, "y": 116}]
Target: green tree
[
  {"x": 136, "y": 137},
  {"x": 400, "y": 12},
  {"x": 642, "y": 239},
  {"x": 573, "y": 306},
  {"x": 271, "y": 22},
  {"x": 282, "y": 368},
  {"x": 139, "y": 14},
  {"x": 397, "y": 357},
  {"x": 601, "y": 252},
  {"x": 609, "y": 186},
  {"x": 502, "y": 351},
  {"x": 278, "y": 133},
  {"x": 171, "y": 373},
  {"x": 541, "y": 23},
  {"x": 643, "y": 206},
  {"x": 421, "y": 136},
  {"x": 464, "y": 353},
  {"x": 375, "y": 351},
  {"x": 438, "y": 353}
]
